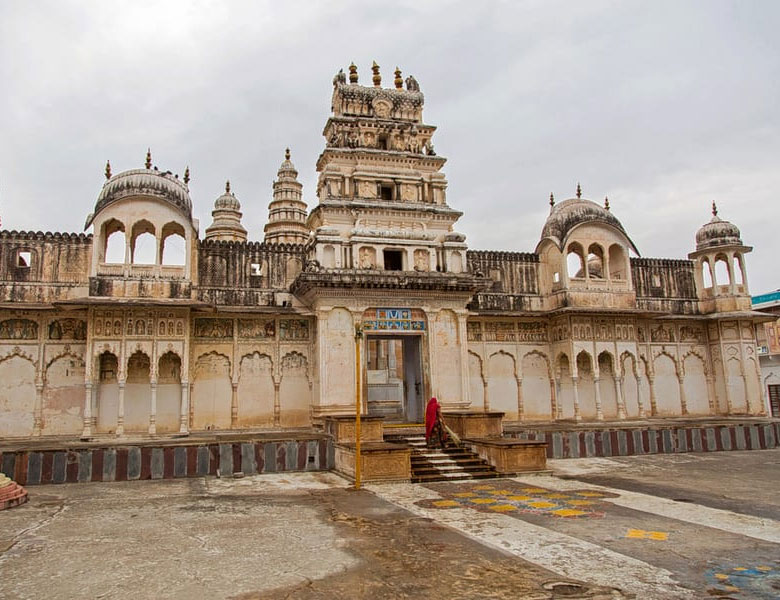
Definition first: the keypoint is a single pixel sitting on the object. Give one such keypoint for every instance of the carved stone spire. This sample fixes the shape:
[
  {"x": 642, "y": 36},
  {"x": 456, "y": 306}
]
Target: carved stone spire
[
  {"x": 377, "y": 78},
  {"x": 286, "y": 154},
  {"x": 108, "y": 170},
  {"x": 579, "y": 190},
  {"x": 552, "y": 200},
  {"x": 227, "y": 186},
  {"x": 399, "y": 82},
  {"x": 606, "y": 202},
  {"x": 714, "y": 209},
  {"x": 148, "y": 163},
  {"x": 287, "y": 211},
  {"x": 187, "y": 175},
  {"x": 353, "y": 74}
]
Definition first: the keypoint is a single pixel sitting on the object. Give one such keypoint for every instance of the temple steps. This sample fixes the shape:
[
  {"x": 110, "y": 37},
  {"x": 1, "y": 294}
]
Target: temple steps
[{"x": 452, "y": 463}]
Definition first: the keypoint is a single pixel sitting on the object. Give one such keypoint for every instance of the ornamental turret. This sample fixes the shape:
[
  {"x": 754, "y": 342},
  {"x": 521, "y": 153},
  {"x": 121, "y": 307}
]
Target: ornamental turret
[
  {"x": 226, "y": 226},
  {"x": 287, "y": 211}
]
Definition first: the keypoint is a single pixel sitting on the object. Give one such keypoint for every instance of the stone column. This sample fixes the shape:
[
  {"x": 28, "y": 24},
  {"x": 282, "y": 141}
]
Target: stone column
[
  {"x": 184, "y": 408},
  {"x": 520, "y": 406},
  {"x": 621, "y": 397},
  {"x": 555, "y": 409},
  {"x": 277, "y": 404},
  {"x": 597, "y": 392},
  {"x": 153, "y": 408},
  {"x": 120, "y": 411},
  {"x": 683, "y": 401},
  {"x": 234, "y": 405},
  {"x": 465, "y": 387},
  {"x": 95, "y": 405},
  {"x": 577, "y": 416},
  {"x": 38, "y": 409},
  {"x": 748, "y": 403},
  {"x": 653, "y": 404},
  {"x": 642, "y": 411},
  {"x": 87, "y": 432},
  {"x": 711, "y": 399}
]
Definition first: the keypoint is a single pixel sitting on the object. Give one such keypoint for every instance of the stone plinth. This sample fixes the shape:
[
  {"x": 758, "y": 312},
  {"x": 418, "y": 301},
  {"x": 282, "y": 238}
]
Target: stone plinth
[
  {"x": 11, "y": 493},
  {"x": 379, "y": 461},
  {"x": 343, "y": 429},
  {"x": 475, "y": 424},
  {"x": 511, "y": 455}
]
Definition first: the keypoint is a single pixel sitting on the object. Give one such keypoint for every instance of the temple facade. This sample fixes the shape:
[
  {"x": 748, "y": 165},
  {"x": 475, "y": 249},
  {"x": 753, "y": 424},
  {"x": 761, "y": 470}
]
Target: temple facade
[{"x": 143, "y": 327}]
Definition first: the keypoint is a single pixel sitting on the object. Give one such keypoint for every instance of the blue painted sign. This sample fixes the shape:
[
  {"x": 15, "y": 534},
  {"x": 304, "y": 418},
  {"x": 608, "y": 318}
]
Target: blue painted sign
[{"x": 393, "y": 319}]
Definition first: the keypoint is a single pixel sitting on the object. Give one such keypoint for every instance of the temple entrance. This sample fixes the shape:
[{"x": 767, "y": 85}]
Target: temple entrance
[{"x": 394, "y": 381}]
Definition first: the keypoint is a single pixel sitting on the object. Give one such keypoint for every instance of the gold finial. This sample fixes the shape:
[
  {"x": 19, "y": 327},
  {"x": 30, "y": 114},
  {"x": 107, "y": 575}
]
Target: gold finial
[
  {"x": 287, "y": 154},
  {"x": 108, "y": 170},
  {"x": 399, "y": 83},
  {"x": 227, "y": 186},
  {"x": 579, "y": 190},
  {"x": 714, "y": 209},
  {"x": 187, "y": 175},
  {"x": 377, "y": 78},
  {"x": 148, "y": 163},
  {"x": 606, "y": 203},
  {"x": 552, "y": 199},
  {"x": 353, "y": 76}
]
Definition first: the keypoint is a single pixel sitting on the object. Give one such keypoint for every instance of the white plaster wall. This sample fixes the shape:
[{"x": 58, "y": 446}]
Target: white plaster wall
[
  {"x": 630, "y": 388},
  {"x": 137, "y": 404},
  {"x": 736, "y": 386},
  {"x": 536, "y": 389},
  {"x": 586, "y": 388},
  {"x": 63, "y": 397},
  {"x": 667, "y": 389},
  {"x": 168, "y": 407},
  {"x": 446, "y": 359},
  {"x": 607, "y": 388},
  {"x": 108, "y": 406},
  {"x": 337, "y": 374},
  {"x": 502, "y": 385},
  {"x": 695, "y": 385},
  {"x": 211, "y": 392},
  {"x": 255, "y": 391},
  {"x": 17, "y": 397},
  {"x": 294, "y": 398},
  {"x": 476, "y": 386}
]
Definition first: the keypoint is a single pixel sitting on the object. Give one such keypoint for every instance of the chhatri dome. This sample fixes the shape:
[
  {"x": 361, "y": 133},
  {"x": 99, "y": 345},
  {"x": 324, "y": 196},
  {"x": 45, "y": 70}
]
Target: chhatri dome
[
  {"x": 147, "y": 182},
  {"x": 717, "y": 233},
  {"x": 566, "y": 215},
  {"x": 226, "y": 226}
]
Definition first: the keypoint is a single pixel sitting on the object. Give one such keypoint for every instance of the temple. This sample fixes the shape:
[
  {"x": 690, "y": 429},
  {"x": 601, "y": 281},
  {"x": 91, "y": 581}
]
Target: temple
[{"x": 144, "y": 328}]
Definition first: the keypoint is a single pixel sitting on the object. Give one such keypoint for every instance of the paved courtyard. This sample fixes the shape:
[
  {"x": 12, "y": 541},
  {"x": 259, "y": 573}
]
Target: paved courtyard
[{"x": 679, "y": 526}]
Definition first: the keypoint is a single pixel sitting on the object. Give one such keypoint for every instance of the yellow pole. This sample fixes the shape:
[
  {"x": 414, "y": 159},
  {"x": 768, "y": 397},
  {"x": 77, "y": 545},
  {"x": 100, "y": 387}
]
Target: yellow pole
[{"x": 358, "y": 370}]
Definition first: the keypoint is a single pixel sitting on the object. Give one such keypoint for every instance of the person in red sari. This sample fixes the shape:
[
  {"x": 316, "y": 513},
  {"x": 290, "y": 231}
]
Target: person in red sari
[{"x": 434, "y": 425}]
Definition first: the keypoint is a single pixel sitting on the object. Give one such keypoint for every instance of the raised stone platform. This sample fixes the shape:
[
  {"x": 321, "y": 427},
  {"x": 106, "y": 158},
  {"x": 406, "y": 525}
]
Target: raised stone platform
[
  {"x": 475, "y": 424},
  {"x": 379, "y": 461},
  {"x": 222, "y": 454},
  {"x": 510, "y": 456}
]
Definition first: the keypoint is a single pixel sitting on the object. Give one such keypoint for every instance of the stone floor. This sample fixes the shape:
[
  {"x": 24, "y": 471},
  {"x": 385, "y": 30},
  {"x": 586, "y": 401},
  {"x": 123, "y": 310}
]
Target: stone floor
[{"x": 679, "y": 526}]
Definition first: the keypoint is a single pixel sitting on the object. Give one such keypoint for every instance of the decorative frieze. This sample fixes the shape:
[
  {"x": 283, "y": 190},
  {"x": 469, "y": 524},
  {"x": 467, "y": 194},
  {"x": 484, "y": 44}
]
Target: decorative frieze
[
  {"x": 500, "y": 331},
  {"x": 532, "y": 332},
  {"x": 474, "y": 331},
  {"x": 68, "y": 329},
  {"x": 213, "y": 328},
  {"x": 294, "y": 329},
  {"x": 18, "y": 329},
  {"x": 256, "y": 328}
]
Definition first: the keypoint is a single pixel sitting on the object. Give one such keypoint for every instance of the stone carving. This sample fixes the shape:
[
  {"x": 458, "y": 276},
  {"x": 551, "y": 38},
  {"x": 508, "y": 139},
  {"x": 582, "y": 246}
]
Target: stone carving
[
  {"x": 294, "y": 329},
  {"x": 474, "y": 331},
  {"x": 532, "y": 332},
  {"x": 422, "y": 260},
  {"x": 18, "y": 329},
  {"x": 68, "y": 329},
  {"x": 367, "y": 258},
  {"x": 213, "y": 328},
  {"x": 691, "y": 334},
  {"x": 500, "y": 331},
  {"x": 408, "y": 193},
  {"x": 662, "y": 334},
  {"x": 382, "y": 107},
  {"x": 257, "y": 328},
  {"x": 340, "y": 78},
  {"x": 294, "y": 363},
  {"x": 412, "y": 85},
  {"x": 367, "y": 189}
]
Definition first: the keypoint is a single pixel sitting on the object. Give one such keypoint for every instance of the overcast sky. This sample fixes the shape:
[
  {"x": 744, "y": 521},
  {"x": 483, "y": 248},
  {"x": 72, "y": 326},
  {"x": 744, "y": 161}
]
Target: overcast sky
[{"x": 662, "y": 106}]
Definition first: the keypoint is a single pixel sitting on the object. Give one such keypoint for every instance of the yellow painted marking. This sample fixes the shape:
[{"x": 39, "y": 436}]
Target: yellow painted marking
[
  {"x": 503, "y": 507},
  {"x": 464, "y": 495},
  {"x": 445, "y": 503},
  {"x": 483, "y": 487},
  {"x": 557, "y": 496},
  {"x": 568, "y": 512},
  {"x": 590, "y": 494},
  {"x": 732, "y": 588},
  {"x": 740, "y": 569},
  {"x": 641, "y": 534},
  {"x": 721, "y": 576},
  {"x": 520, "y": 498},
  {"x": 542, "y": 504},
  {"x": 535, "y": 490},
  {"x": 764, "y": 568},
  {"x": 483, "y": 500},
  {"x": 580, "y": 502},
  {"x": 500, "y": 492}
]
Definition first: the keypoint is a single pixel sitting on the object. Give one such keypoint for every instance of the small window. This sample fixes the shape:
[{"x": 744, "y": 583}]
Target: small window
[
  {"x": 256, "y": 269},
  {"x": 24, "y": 258},
  {"x": 383, "y": 143},
  {"x": 393, "y": 260},
  {"x": 386, "y": 192},
  {"x": 556, "y": 277}
]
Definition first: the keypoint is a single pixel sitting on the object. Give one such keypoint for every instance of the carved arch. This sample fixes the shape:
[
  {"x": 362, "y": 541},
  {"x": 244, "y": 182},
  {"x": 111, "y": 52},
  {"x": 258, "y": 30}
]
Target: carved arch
[
  {"x": 543, "y": 356},
  {"x": 634, "y": 359},
  {"x": 294, "y": 355},
  {"x": 17, "y": 351},
  {"x": 512, "y": 356},
  {"x": 481, "y": 365},
  {"x": 215, "y": 353},
  {"x": 698, "y": 355},
  {"x": 675, "y": 362}
]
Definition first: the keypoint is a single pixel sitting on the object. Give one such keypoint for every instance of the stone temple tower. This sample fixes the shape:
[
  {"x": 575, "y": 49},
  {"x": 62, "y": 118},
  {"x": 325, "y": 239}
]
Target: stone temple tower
[
  {"x": 382, "y": 197},
  {"x": 287, "y": 211}
]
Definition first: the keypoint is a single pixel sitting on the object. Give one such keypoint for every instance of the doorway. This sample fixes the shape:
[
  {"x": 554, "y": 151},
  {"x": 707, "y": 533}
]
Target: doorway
[{"x": 394, "y": 381}]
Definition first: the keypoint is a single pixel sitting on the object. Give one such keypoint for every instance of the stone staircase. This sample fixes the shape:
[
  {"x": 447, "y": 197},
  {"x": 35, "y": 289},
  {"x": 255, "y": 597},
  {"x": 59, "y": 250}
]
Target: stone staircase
[{"x": 448, "y": 464}]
